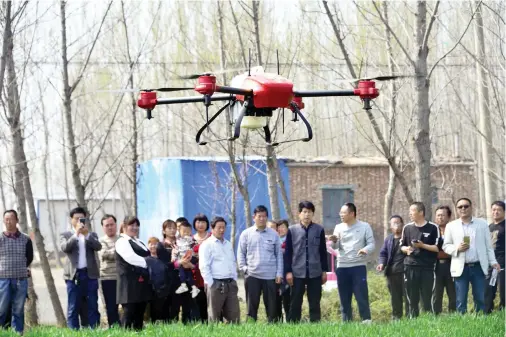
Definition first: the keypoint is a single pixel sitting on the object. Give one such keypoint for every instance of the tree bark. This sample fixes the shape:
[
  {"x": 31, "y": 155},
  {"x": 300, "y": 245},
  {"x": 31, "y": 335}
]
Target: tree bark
[
  {"x": 133, "y": 142},
  {"x": 377, "y": 130},
  {"x": 284, "y": 195},
  {"x": 485, "y": 126},
  {"x": 421, "y": 140},
  {"x": 270, "y": 158},
  {"x": 23, "y": 187},
  {"x": 241, "y": 186},
  {"x": 272, "y": 182},
  {"x": 67, "y": 110},
  {"x": 390, "y": 194}
]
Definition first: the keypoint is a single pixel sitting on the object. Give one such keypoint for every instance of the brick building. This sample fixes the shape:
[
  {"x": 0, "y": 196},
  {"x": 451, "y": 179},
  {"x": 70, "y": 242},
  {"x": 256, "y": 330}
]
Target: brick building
[{"x": 364, "y": 181}]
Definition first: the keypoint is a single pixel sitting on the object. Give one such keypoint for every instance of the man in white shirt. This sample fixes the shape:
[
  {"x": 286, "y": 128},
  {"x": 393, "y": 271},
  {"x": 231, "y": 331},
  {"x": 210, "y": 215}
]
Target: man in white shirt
[
  {"x": 217, "y": 264},
  {"x": 81, "y": 270},
  {"x": 467, "y": 240}
]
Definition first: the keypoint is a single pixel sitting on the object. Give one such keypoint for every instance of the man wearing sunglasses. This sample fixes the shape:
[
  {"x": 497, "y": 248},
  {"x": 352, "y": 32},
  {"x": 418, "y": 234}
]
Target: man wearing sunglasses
[{"x": 467, "y": 240}]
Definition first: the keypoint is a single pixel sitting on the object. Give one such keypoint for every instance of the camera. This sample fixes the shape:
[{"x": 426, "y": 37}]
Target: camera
[{"x": 82, "y": 221}]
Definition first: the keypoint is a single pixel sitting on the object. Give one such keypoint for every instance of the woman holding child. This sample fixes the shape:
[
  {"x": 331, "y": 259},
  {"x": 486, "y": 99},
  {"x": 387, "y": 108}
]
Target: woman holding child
[{"x": 175, "y": 302}]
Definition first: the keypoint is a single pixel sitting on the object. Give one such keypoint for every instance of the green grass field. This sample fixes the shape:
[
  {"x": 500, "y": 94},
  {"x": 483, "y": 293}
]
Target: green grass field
[
  {"x": 379, "y": 299},
  {"x": 424, "y": 326}
]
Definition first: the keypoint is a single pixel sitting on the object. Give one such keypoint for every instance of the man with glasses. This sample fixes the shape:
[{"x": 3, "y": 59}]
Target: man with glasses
[{"x": 467, "y": 240}]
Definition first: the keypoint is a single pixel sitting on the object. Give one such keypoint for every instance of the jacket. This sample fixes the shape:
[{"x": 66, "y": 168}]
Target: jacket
[
  {"x": 69, "y": 244},
  {"x": 454, "y": 235},
  {"x": 387, "y": 251}
]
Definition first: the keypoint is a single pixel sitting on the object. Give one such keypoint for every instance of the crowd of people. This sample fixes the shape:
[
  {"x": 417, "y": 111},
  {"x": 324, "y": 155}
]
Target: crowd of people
[{"x": 195, "y": 272}]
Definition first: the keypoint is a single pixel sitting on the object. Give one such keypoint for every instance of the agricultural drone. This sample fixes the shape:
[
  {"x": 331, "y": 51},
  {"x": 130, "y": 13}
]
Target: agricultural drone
[{"x": 253, "y": 97}]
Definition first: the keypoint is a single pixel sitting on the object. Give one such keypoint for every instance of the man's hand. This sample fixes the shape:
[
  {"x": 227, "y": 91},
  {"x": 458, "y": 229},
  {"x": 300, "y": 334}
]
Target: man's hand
[
  {"x": 29, "y": 272},
  {"x": 380, "y": 267},
  {"x": 362, "y": 252},
  {"x": 324, "y": 277},
  {"x": 418, "y": 244},
  {"x": 497, "y": 266},
  {"x": 289, "y": 279},
  {"x": 407, "y": 250},
  {"x": 463, "y": 247},
  {"x": 335, "y": 238},
  {"x": 278, "y": 280}
]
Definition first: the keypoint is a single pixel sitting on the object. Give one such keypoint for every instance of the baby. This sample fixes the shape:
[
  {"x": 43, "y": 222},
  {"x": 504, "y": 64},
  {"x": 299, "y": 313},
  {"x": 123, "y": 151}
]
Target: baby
[{"x": 184, "y": 247}]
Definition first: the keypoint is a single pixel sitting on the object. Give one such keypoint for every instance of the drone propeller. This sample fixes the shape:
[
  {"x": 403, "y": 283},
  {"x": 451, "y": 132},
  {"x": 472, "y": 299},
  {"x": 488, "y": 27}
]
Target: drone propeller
[
  {"x": 147, "y": 90},
  {"x": 377, "y": 78},
  {"x": 195, "y": 76}
]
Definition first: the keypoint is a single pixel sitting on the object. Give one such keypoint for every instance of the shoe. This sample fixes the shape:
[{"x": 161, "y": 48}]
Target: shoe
[
  {"x": 367, "y": 321},
  {"x": 182, "y": 289},
  {"x": 195, "y": 291}
]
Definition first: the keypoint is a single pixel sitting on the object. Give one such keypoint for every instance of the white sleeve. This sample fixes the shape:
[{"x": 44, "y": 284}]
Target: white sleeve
[{"x": 124, "y": 250}]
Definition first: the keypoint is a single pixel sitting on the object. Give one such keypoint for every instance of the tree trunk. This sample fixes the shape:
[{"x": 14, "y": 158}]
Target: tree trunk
[
  {"x": 45, "y": 170},
  {"x": 243, "y": 189},
  {"x": 25, "y": 186},
  {"x": 133, "y": 142},
  {"x": 390, "y": 194},
  {"x": 2, "y": 191},
  {"x": 13, "y": 120},
  {"x": 422, "y": 150},
  {"x": 284, "y": 195},
  {"x": 272, "y": 183},
  {"x": 270, "y": 157},
  {"x": 233, "y": 212},
  {"x": 67, "y": 110},
  {"x": 377, "y": 130},
  {"x": 485, "y": 126}
]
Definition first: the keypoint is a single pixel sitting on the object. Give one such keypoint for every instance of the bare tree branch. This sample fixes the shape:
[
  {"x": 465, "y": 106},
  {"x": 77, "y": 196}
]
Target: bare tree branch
[
  {"x": 408, "y": 57},
  {"x": 456, "y": 43},
  {"x": 429, "y": 27},
  {"x": 81, "y": 73}
]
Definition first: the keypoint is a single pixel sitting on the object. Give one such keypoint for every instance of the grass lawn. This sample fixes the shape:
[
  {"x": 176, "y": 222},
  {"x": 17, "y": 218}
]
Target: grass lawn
[{"x": 424, "y": 326}]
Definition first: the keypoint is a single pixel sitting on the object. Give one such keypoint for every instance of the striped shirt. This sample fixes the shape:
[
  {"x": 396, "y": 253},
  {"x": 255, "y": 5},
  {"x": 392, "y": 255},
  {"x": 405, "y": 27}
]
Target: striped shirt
[{"x": 259, "y": 253}]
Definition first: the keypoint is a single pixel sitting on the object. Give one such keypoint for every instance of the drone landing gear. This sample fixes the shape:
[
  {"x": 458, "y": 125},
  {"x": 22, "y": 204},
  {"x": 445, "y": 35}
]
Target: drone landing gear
[
  {"x": 296, "y": 113},
  {"x": 207, "y": 125}
]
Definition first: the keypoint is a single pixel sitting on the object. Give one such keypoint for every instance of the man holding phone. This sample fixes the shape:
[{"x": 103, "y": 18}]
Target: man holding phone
[
  {"x": 419, "y": 242},
  {"x": 81, "y": 269},
  {"x": 467, "y": 240}
]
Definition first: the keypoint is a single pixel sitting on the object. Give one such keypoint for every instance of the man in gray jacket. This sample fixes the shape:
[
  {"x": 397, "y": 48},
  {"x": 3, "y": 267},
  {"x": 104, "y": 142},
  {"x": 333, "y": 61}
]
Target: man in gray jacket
[
  {"x": 355, "y": 242},
  {"x": 81, "y": 269},
  {"x": 306, "y": 263}
]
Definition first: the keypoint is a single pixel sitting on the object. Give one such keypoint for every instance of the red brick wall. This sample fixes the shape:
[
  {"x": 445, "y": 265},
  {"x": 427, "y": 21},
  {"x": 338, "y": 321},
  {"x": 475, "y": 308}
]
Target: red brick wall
[{"x": 371, "y": 184}]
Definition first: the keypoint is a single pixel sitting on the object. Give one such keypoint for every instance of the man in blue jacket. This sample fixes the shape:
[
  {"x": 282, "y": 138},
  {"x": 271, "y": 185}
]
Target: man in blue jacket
[{"x": 391, "y": 261}]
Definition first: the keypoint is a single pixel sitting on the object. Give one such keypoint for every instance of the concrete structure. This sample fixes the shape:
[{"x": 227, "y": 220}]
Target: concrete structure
[{"x": 60, "y": 209}]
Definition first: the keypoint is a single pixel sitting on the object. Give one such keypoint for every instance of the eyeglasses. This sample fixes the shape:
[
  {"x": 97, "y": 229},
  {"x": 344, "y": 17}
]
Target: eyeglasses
[{"x": 463, "y": 206}]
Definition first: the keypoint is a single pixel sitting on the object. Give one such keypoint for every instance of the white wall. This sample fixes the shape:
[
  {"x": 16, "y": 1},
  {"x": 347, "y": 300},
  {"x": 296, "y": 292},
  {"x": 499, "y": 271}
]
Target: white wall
[{"x": 61, "y": 217}]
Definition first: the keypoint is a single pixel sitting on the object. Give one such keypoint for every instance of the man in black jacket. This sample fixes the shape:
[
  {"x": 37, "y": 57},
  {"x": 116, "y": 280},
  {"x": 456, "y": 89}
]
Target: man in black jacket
[
  {"x": 498, "y": 242},
  {"x": 306, "y": 264},
  {"x": 391, "y": 260}
]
